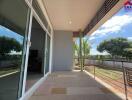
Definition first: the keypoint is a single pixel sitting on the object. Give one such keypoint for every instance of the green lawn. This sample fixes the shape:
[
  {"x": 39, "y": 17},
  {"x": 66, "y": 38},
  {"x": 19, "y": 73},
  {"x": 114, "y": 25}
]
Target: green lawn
[
  {"x": 106, "y": 72},
  {"x": 8, "y": 70}
]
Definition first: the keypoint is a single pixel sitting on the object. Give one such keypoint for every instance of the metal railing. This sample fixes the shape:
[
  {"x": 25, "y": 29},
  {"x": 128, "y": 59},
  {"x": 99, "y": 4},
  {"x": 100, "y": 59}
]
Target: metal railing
[{"x": 116, "y": 73}]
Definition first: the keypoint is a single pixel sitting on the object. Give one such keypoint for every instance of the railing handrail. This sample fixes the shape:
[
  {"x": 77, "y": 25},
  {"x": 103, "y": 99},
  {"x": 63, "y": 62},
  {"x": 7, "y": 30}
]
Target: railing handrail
[{"x": 130, "y": 61}]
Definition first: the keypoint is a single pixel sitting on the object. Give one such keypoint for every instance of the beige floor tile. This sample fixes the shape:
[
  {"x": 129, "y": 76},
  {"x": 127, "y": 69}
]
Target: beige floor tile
[
  {"x": 58, "y": 91},
  {"x": 83, "y": 90},
  {"x": 72, "y": 86}
]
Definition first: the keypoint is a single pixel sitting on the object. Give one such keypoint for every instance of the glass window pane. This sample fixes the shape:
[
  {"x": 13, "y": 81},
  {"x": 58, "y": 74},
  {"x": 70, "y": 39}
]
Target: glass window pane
[
  {"x": 40, "y": 13},
  {"x": 35, "y": 69},
  {"x": 13, "y": 21}
]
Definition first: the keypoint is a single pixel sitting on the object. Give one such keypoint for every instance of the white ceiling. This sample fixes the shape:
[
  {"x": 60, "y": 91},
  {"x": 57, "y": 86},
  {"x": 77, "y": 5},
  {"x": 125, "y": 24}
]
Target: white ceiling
[{"x": 71, "y": 15}]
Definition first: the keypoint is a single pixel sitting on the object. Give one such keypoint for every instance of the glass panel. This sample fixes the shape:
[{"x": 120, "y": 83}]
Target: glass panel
[
  {"x": 13, "y": 20},
  {"x": 40, "y": 13},
  {"x": 36, "y": 55},
  {"x": 47, "y": 55}
]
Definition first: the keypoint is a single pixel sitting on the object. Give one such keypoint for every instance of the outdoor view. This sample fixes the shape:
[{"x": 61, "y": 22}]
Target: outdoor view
[
  {"x": 11, "y": 46},
  {"x": 12, "y": 36},
  {"x": 10, "y": 50},
  {"x": 107, "y": 53}
]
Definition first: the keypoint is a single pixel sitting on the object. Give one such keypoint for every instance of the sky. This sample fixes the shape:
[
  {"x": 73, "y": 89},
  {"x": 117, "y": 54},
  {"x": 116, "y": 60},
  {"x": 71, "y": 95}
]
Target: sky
[
  {"x": 9, "y": 33},
  {"x": 120, "y": 25}
]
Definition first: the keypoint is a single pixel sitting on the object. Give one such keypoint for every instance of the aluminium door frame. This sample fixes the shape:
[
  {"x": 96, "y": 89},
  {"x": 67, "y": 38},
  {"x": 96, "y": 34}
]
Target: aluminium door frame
[{"x": 33, "y": 13}]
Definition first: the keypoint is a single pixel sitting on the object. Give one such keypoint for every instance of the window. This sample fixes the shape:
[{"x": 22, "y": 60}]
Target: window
[{"x": 13, "y": 23}]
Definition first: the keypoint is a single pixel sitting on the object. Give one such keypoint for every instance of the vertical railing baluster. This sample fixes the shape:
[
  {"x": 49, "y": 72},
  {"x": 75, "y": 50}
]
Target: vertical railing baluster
[
  {"x": 94, "y": 69},
  {"x": 124, "y": 78},
  {"x": 94, "y": 72}
]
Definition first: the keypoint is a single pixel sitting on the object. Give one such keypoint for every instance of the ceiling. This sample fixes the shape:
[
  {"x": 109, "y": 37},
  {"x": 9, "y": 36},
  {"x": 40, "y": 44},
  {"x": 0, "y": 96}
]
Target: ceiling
[{"x": 71, "y": 15}]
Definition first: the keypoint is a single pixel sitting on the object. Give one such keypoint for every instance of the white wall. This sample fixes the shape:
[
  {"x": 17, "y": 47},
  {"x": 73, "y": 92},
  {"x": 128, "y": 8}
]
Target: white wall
[{"x": 62, "y": 51}]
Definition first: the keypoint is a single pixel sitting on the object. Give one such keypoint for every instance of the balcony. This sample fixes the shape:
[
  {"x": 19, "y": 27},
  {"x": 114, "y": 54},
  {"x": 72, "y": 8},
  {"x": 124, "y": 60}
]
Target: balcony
[
  {"x": 36, "y": 49},
  {"x": 72, "y": 86}
]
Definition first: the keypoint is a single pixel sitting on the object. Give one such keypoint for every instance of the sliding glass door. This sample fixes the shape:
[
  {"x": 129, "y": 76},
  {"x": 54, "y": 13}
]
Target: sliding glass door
[
  {"x": 13, "y": 25},
  {"x": 35, "y": 67}
]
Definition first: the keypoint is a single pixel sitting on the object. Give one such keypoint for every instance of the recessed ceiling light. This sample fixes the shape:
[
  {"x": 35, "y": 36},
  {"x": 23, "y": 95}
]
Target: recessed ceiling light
[{"x": 70, "y": 22}]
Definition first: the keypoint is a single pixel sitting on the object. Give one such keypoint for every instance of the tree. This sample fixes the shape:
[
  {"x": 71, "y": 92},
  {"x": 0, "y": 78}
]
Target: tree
[
  {"x": 84, "y": 50},
  {"x": 115, "y": 47},
  {"x": 128, "y": 53},
  {"x": 9, "y": 44},
  {"x": 76, "y": 50}
]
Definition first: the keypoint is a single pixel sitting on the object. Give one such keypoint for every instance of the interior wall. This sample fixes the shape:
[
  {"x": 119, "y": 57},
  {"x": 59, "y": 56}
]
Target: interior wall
[{"x": 62, "y": 51}]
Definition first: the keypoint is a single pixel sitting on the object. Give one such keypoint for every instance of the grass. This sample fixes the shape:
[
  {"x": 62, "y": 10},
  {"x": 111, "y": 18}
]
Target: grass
[
  {"x": 4, "y": 71},
  {"x": 106, "y": 72}
]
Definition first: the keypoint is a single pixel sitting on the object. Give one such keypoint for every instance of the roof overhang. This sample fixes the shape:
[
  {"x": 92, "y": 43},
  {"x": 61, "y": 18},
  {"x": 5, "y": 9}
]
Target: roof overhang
[
  {"x": 114, "y": 9},
  {"x": 73, "y": 15}
]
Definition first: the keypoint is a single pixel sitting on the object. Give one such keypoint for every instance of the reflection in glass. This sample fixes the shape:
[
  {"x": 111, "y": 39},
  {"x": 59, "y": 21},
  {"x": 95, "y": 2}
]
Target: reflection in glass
[
  {"x": 39, "y": 12},
  {"x": 35, "y": 69},
  {"x": 13, "y": 21},
  {"x": 10, "y": 61}
]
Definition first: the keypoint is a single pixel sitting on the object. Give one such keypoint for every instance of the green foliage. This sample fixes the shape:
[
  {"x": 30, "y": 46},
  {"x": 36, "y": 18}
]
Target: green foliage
[
  {"x": 85, "y": 48},
  {"x": 115, "y": 47},
  {"x": 128, "y": 53},
  {"x": 76, "y": 49},
  {"x": 9, "y": 44}
]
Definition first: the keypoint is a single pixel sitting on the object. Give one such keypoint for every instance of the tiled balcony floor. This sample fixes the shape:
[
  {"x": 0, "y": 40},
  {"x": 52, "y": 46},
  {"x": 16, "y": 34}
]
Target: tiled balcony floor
[{"x": 72, "y": 86}]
